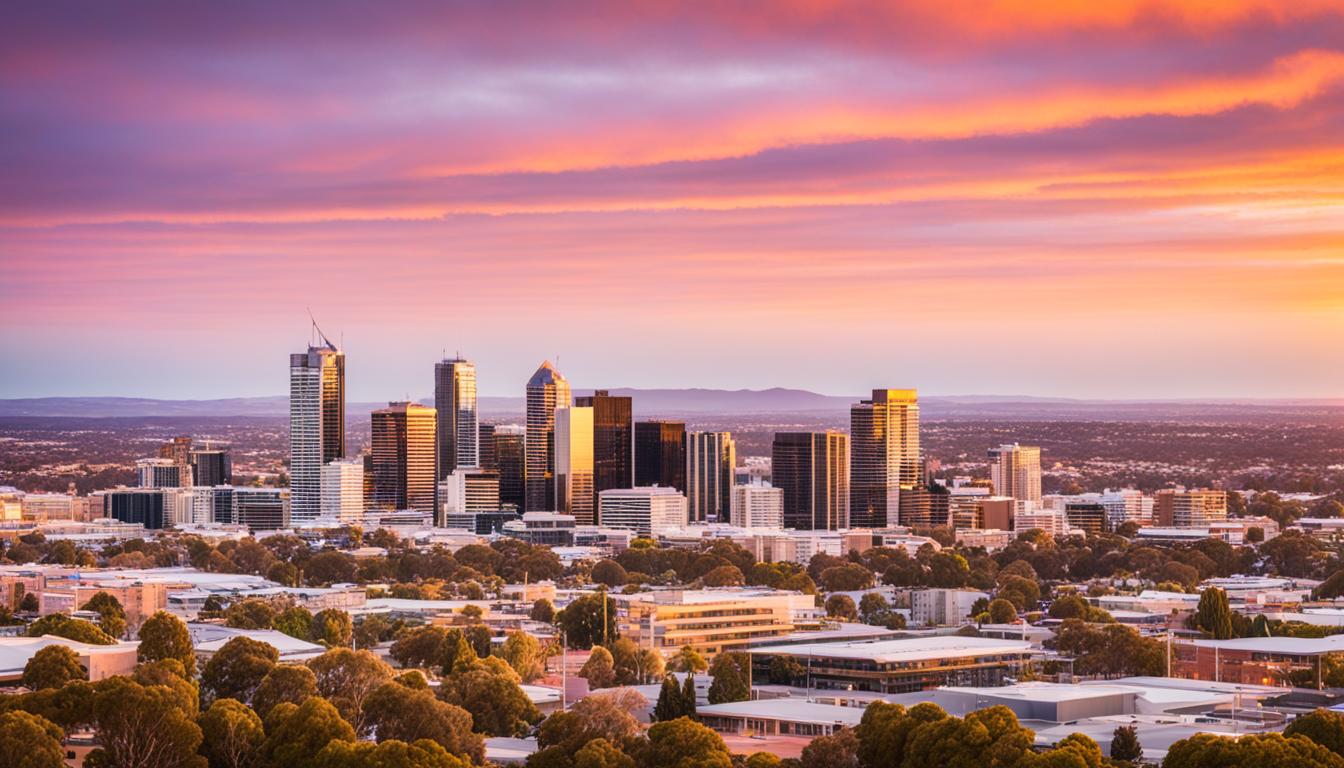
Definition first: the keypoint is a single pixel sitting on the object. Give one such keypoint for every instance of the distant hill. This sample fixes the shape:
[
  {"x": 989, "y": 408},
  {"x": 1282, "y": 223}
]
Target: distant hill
[{"x": 704, "y": 402}]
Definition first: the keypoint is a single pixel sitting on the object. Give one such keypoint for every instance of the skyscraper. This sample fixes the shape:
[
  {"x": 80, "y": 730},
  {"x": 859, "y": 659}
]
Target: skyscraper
[
  {"x": 812, "y": 469},
  {"x": 343, "y": 490},
  {"x": 316, "y": 424},
  {"x": 211, "y": 466},
  {"x": 178, "y": 450},
  {"x": 503, "y": 449},
  {"x": 613, "y": 440},
  {"x": 1015, "y": 470},
  {"x": 711, "y": 458},
  {"x": 574, "y": 466},
  {"x": 455, "y": 401},
  {"x": 158, "y": 473},
  {"x": 660, "y": 454},
  {"x": 884, "y": 456},
  {"x": 403, "y": 458},
  {"x": 546, "y": 391}
]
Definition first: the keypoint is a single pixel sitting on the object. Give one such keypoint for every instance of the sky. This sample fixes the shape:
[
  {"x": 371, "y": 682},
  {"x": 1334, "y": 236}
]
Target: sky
[{"x": 1114, "y": 200}]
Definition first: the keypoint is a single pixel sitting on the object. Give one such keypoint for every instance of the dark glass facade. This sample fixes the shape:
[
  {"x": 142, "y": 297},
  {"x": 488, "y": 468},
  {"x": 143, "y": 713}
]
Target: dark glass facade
[
  {"x": 211, "y": 467},
  {"x": 660, "y": 454},
  {"x": 137, "y": 507},
  {"x": 613, "y": 441},
  {"x": 812, "y": 468}
]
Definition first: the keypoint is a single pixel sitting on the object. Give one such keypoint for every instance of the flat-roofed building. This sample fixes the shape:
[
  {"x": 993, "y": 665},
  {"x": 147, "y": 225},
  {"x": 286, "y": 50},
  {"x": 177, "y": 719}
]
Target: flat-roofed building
[
  {"x": 1015, "y": 471},
  {"x": 710, "y": 621},
  {"x": 261, "y": 509},
  {"x": 758, "y": 506},
  {"x": 942, "y": 607},
  {"x": 467, "y": 491},
  {"x": 779, "y": 717},
  {"x": 648, "y": 511},
  {"x": 1180, "y": 508},
  {"x": 898, "y": 666},
  {"x": 98, "y": 661},
  {"x": 342, "y": 487}
]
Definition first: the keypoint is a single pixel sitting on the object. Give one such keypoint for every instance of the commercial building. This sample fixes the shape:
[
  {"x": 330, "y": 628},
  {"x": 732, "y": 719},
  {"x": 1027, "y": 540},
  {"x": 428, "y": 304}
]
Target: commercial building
[
  {"x": 457, "y": 435},
  {"x": 884, "y": 456},
  {"x": 778, "y": 717},
  {"x": 503, "y": 450},
  {"x": 211, "y": 466},
  {"x": 157, "y": 473},
  {"x": 1049, "y": 521},
  {"x": 262, "y": 509},
  {"x": 660, "y": 454},
  {"x": 812, "y": 470},
  {"x": 403, "y": 458},
  {"x": 98, "y": 661},
  {"x": 150, "y": 507},
  {"x": 468, "y": 491},
  {"x": 53, "y": 506},
  {"x": 343, "y": 489},
  {"x": 942, "y": 607},
  {"x": 709, "y": 621},
  {"x": 480, "y": 523},
  {"x": 573, "y": 438},
  {"x": 546, "y": 391},
  {"x": 898, "y": 666},
  {"x": 645, "y": 510},
  {"x": 211, "y": 505},
  {"x": 710, "y": 459},
  {"x": 1127, "y": 506},
  {"x": 613, "y": 440},
  {"x": 758, "y": 506},
  {"x": 1271, "y": 661},
  {"x": 1180, "y": 508},
  {"x": 178, "y": 451},
  {"x": 316, "y": 423},
  {"x": 1090, "y": 517},
  {"x": 550, "y": 529},
  {"x": 1015, "y": 471}
]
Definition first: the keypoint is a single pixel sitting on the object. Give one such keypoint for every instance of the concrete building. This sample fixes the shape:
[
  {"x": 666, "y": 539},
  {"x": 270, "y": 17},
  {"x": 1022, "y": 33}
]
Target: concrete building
[
  {"x": 648, "y": 511},
  {"x": 343, "y": 490},
  {"x": 942, "y": 607},
  {"x": 710, "y": 621},
  {"x": 211, "y": 465},
  {"x": 469, "y": 491},
  {"x": 758, "y": 506},
  {"x": 898, "y": 666},
  {"x": 503, "y": 449},
  {"x": 262, "y": 509},
  {"x": 884, "y": 456},
  {"x": 1015, "y": 471},
  {"x": 613, "y": 440},
  {"x": 457, "y": 432},
  {"x": 316, "y": 423},
  {"x": 550, "y": 529},
  {"x": 1180, "y": 508},
  {"x": 98, "y": 661},
  {"x": 157, "y": 473},
  {"x": 710, "y": 460}
]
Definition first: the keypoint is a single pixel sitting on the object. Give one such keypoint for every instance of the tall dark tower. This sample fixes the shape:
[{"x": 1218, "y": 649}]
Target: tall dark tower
[
  {"x": 613, "y": 441},
  {"x": 660, "y": 454}
]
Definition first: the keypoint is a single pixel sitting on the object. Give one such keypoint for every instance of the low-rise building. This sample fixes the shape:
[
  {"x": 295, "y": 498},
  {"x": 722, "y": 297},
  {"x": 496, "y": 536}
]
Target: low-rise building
[
  {"x": 895, "y": 666},
  {"x": 942, "y": 607},
  {"x": 710, "y": 621},
  {"x": 98, "y": 661}
]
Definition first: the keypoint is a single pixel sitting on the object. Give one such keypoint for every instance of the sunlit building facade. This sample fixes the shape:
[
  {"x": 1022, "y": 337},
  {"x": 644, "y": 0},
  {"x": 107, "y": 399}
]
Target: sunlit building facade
[
  {"x": 574, "y": 480},
  {"x": 711, "y": 458},
  {"x": 1015, "y": 470},
  {"x": 455, "y": 404},
  {"x": 613, "y": 440},
  {"x": 660, "y": 454},
  {"x": 546, "y": 391},
  {"x": 812, "y": 471},
  {"x": 316, "y": 424},
  {"x": 884, "y": 456},
  {"x": 403, "y": 458}
]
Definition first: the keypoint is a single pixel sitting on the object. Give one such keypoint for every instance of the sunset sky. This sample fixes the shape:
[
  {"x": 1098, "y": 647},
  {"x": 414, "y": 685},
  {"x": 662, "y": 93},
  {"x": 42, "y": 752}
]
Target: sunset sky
[{"x": 1094, "y": 199}]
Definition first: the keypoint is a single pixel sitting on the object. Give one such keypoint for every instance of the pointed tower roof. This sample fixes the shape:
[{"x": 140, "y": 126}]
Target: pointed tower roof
[{"x": 546, "y": 374}]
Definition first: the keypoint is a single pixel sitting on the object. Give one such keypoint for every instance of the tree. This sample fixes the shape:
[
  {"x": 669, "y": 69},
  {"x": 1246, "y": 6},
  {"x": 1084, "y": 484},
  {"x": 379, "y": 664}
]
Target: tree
[
  {"x": 169, "y": 674},
  {"x": 874, "y": 609},
  {"x": 849, "y": 577},
  {"x": 347, "y": 677},
  {"x": 30, "y": 741},
  {"x": 422, "y": 647},
  {"x": 542, "y": 611},
  {"x": 253, "y": 613},
  {"x": 609, "y": 572},
  {"x": 330, "y": 567},
  {"x": 237, "y": 668},
  {"x": 142, "y": 726},
  {"x": 112, "y": 617},
  {"x": 785, "y": 670},
  {"x": 285, "y": 682},
  {"x": 295, "y": 621},
  {"x": 842, "y": 607},
  {"x": 29, "y": 604},
  {"x": 684, "y": 743},
  {"x": 1321, "y": 726},
  {"x": 394, "y": 711},
  {"x": 724, "y": 576},
  {"x": 1213, "y": 614},
  {"x": 582, "y": 621},
  {"x": 600, "y": 753},
  {"x": 164, "y": 636},
  {"x": 52, "y": 667},
  {"x": 687, "y": 660},
  {"x": 671, "y": 704},
  {"x": 600, "y": 669},
  {"x": 633, "y": 665},
  {"x": 490, "y": 692},
  {"x": 1250, "y": 750},
  {"x": 523, "y": 653},
  {"x": 1125, "y": 744},
  {"x": 601, "y": 716},
  {"x": 232, "y": 734},
  {"x": 296, "y": 734},
  {"x": 79, "y": 630},
  {"x": 1001, "y": 611},
  {"x": 730, "y": 673},
  {"x": 387, "y": 754},
  {"x": 332, "y": 627},
  {"x": 839, "y": 750}
]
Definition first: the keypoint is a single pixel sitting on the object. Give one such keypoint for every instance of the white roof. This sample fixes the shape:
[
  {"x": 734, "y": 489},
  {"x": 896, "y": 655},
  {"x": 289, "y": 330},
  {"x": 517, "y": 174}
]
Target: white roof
[
  {"x": 288, "y": 647},
  {"x": 1307, "y": 646},
  {"x": 16, "y": 651},
  {"x": 791, "y": 710},
  {"x": 913, "y": 649}
]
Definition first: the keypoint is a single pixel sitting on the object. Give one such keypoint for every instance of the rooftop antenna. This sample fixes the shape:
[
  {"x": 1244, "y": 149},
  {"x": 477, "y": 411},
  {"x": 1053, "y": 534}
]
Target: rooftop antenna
[{"x": 319, "y": 332}]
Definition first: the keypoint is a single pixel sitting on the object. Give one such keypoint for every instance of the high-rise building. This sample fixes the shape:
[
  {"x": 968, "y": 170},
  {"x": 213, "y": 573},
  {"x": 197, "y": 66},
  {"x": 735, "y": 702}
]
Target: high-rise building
[
  {"x": 503, "y": 449},
  {"x": 455, "y": 401},
  {"x": 158, "y": 473},
  {"x": 546, "y": 391},
  {"x": 316, "y": 424},
  {"x": 468, "y": 491},
  {"x": 178, "y": 450},
  {"x": 613, "y": 440},
  {"x": 262, "y": 509},
  {"x": 1179, "y": 508},
  {"x": 1125, "y": 506},
  {"x": 660, "y": 454},
  {"x": 758, "y": 506},
  {"x": 884, "y": 456},
  {"x": 1090, "y": 516},
  {"x": 574, "y": 476},
  {"x": 403, "y": 458},
  {"x": 343, "y": 489},
  {"x": 711, "y": 458},
  {"x": 644, "y": 510},
  {"x": 1015, "y": 470},
  {"x": 211, "y": 466},
  {"x": 812, "y": 470}
]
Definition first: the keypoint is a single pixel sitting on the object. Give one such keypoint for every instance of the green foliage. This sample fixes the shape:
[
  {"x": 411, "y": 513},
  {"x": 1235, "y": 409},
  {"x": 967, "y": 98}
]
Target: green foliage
[
  {"x": 839, "y": 750},
  {"x": 581, "y": 621},
  {"x": 1125, "y": 744},
  {"x": 61, "y": 625},
  {"x": 1213, "y": 614},
  {"x": 346, "y": 678},
  {"x": 687, "y": 660},
  {"x": 253, "y": 613},
  {"x": 610, "y": 573},
  {"x": 291, "y": 683},
  {"x": 785, "y": 670},
  {"x": 489, "y": 691},
  {"x": 52, "y": 667},
  {"x": 232, "y": 734},
  {"x": 142, "y": 726},
  {"x": 600, "y": 668},
  {"x": 296, "y": 734},
  {"x": 842, "y": 607},
  {"x": 1109, "y": 650},
  {"x": 523, "y": 653},
  {"x": 295, "y": 621},
  {"x": 730, "y": 672},
  {"x": 237, "y": 668},
  {"x": 387, "y": 754},
  {"x": 164, "y": 636},
  {"x": 395, "y": 711},
  {"x": 112, "y": 617},
  {"x": 684, "y": 743},
  {"x": 671, "y": 703},
  {"x": 1321, "y": 726},
  {"x": 30, "y": 741},
  {"x": 543, "y": 611},
  {"x": 1249, "y": 751},
  {"x": 332, "y": 627},
  {"x": 1001, "y": 611},
  {"x": 849, "y": 577},
  {"x": 633, "y": 665},
  {"x": 600, "y": 753}
]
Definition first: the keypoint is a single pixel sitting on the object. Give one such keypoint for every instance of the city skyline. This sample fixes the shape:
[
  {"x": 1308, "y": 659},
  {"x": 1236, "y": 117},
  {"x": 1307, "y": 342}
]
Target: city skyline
[{"x": 1127, "y": 187}]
